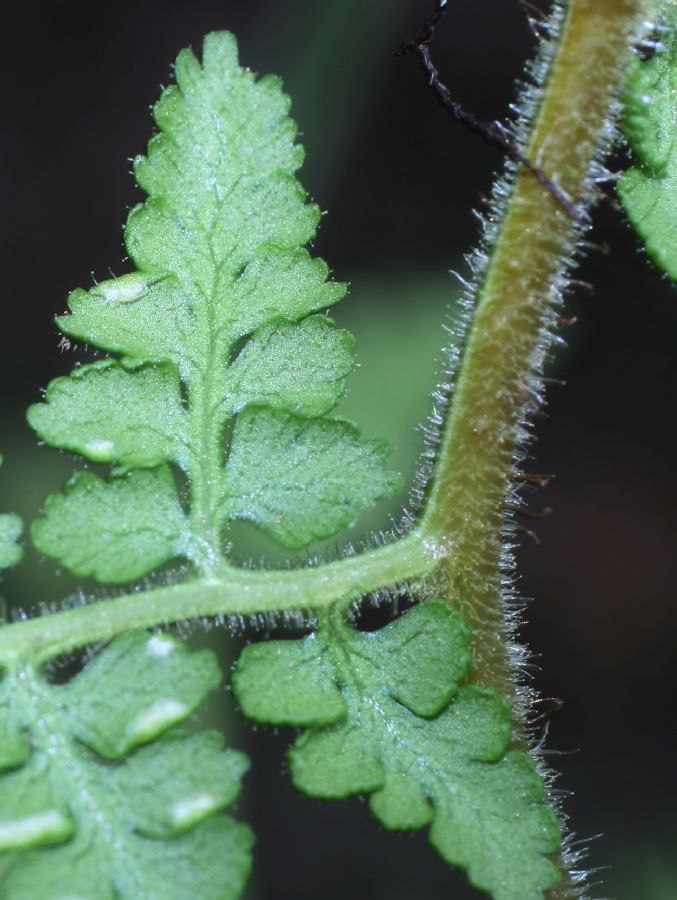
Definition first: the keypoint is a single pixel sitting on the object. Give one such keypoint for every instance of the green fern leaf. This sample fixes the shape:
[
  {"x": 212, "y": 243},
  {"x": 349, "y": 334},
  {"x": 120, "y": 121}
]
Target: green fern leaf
[
  {"x": 10, "y": 531},
  {"x": 387, "y": 713},
  {"x": 113, "y": 530},
  {"x": 318, "y": 499},
  {"x": 648, "y": 190},
  {"x": 219, "y": 250},
  {"x": 101, "y": 792}
]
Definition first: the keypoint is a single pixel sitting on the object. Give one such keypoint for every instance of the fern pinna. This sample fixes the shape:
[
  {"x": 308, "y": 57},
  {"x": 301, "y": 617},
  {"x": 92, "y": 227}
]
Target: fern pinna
[
  {"x": 218, "y": 251},
  {"x": 216, "y": 408}
]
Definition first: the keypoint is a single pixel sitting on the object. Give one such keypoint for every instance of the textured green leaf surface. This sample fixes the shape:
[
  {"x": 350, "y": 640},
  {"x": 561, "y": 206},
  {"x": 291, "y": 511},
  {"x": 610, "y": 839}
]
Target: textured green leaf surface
[
  {"x": 648, "y": 190},
  {"x": 267, "y": 372},
  {"x": 110, "y": 413},
  {"x": 387, "y": 713},
  {"x": 102, "y": 797},
  {"x": 113, "y": 530},
  {"x": 218, "y": 322},
  {"x": 10, "y": 530},
  {"x": 288, "y": 474}
]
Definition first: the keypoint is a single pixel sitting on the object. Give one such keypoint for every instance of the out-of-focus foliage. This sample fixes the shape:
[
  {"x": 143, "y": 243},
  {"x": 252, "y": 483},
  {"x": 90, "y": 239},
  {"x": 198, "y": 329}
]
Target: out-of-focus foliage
[
  {"x": 102, "y": 795},
  {"x": 649, "y": 189},
  {"x": 10, "y": 529}
]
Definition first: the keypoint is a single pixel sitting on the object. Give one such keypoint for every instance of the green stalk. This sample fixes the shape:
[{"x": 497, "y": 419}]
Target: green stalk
[
  {"x": 232, "y": 592},
  {"x": 498, "y": 384},
  {"x": 507, "y": 341}
]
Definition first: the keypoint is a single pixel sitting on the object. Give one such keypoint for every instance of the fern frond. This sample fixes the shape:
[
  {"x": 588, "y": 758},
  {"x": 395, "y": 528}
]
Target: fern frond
[
  {"x": 389, "y": 713},
  {"x": 219, "y": 251},
  {"x": 102, "y": 792},
  {"x": 648, "y": 190}
]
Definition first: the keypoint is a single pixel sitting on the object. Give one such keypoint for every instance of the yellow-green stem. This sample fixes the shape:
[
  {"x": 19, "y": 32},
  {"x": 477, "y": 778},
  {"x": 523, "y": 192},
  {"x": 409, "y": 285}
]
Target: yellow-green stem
[{"x": 505, "y": 345}]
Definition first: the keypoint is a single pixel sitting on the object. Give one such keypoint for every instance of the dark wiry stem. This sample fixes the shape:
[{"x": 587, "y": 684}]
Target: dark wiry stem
[{"x": 492, "y": 132}]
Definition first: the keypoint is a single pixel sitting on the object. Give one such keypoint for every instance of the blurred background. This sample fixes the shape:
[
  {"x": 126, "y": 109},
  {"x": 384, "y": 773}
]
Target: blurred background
[{"x": 399, "y": 182}]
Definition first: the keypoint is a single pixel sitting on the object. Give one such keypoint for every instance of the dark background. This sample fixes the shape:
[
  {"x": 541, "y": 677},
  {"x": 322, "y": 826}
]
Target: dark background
[{"x": 399, "y": 181}]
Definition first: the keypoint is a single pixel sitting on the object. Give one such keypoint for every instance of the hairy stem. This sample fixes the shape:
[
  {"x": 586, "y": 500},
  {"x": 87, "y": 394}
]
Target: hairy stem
[
  {"x": 233, "y": 592},
  {"x": 498, "y": 385}
]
